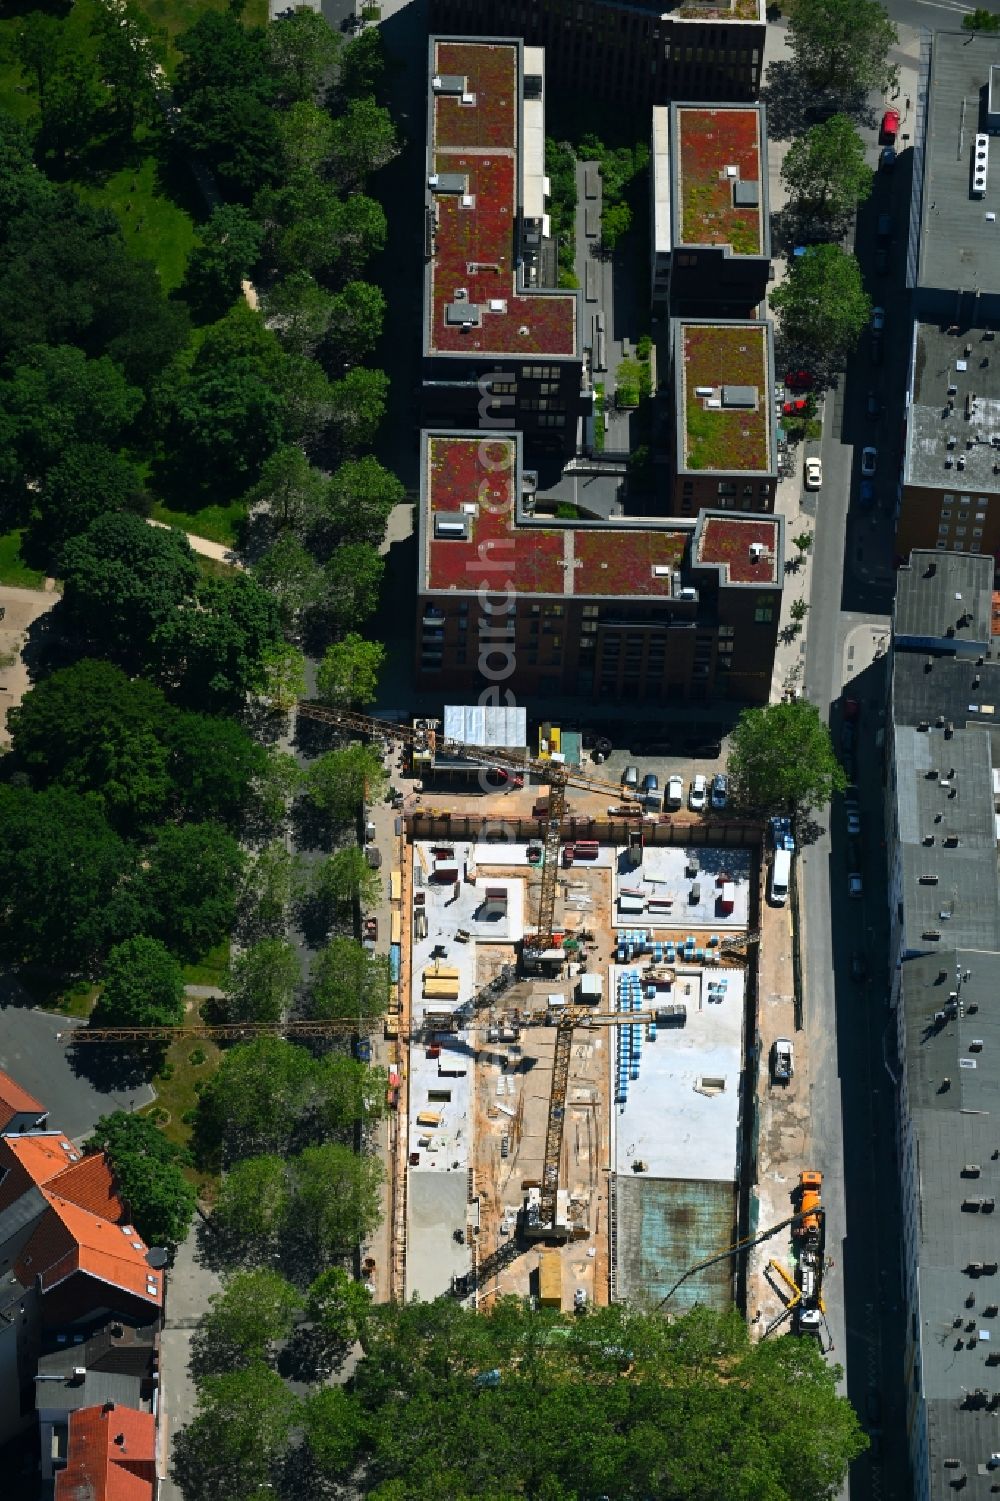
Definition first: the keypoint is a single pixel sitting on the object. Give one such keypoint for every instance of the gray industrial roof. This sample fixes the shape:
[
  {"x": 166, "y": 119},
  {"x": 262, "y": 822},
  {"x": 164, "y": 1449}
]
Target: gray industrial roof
[
  {"x": 944, "y": 794},
  {"x": 952, "y": 1067},
  {"x": 959, "y": 245},
  {"x": 65, "y": 1394},
  {"x": 962, "y": 368},
  {"x": 928, "y": 689},
  {"x": 942, "y": 592}
]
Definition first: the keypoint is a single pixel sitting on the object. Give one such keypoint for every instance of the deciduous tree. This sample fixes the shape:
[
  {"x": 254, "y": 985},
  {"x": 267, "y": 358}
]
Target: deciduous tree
[
  {"x": 212, "y": 653},
  {"x": 348, "y": 674},
  {"x": 335, "y": 1196},
  {"x": 86, "y": 481},
  {"x": 244, "y": 1322},
  {"x": 224, "y": 255},
  {"x": 353, "y": 576},
  {"x": 290, "y": 491},
  {"x": 357, "y": 314},
  {"x": 301, "y": 52},
  {"x": 143, "y": 986},
  {"x": 781, "y": 759},
  {"x": 825, "y": 172},
  {"x": 260, "y": 983},
  {"x": 253, "y": 1203},
  {"x": 360, "y": 499},
  {"x": 57, "y": 397},
  {"x": 225, "y": 89},
  {"x": 127, "y": 56},
  {"x": 300, "y": 311},
  {"x": 844, "y": 45},
  {"x": 340, "y": 781},
  {"x": 364, "y": 139},
  {"x": 339, "y": 1308},
  {"x": 147, "y": 1167},
  {"x": 241, "y": 1431},
  {"x": 346, "y": 879},
  {"x": 362, "y": 67},
  {"x": 822, "y": 302},
  {"x": 123, "y": 580},
  {"x": 358, "y": 406},
  {"x": 347, "y": 981},
  {"x": 188, "y": 886}
]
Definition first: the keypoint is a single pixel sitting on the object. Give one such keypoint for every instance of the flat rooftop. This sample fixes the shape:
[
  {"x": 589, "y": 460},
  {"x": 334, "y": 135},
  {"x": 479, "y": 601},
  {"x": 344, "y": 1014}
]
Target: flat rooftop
[
  {"x": 718, "y": 10},
  {"x": 471, "y": 514},
  {"x": 959, "y": 246},
  {"x": 686, "y": 887},
  {"x": 474, "y": 303},
  {"x": 748, "y": 550},
  {"x": 955, "y": 408},
  {"x": 723, "y": 396},
  {"x": 721, "y": 189},
  {"x": 945, "y": 594}
]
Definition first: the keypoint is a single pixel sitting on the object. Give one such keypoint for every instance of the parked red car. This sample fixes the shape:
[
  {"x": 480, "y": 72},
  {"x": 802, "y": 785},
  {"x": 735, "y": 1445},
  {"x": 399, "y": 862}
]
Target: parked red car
[
  {"x": 791, "y": 407},
  {"x": 890, "y": 127}
]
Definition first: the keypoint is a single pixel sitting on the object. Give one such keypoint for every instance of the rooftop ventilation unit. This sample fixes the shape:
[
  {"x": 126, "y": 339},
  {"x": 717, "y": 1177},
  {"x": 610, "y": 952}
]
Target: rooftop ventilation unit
[
  {"x": 756, "y": 551},
  {"x": 980, "y": 165}
]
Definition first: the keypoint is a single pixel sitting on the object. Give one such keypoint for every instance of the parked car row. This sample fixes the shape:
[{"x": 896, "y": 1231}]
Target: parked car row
[{"x": 701, "y": 794}]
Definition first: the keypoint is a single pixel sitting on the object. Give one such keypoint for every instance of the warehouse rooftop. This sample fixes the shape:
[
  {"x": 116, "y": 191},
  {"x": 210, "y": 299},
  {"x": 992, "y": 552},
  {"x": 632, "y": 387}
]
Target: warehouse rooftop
[{"x": 475, "y": 301}]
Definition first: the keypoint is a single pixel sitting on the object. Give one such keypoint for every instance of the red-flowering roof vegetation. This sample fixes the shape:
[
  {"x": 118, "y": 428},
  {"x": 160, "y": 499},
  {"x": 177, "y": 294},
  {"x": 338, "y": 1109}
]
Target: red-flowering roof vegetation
[
  {"x": 731, "y": 440},
  {"x": 727, "y": 540},
  {"x": 480, "y": 142},
  {"x": 710, "y": 141},
  {"x": 534, "y": 559},
  {"x": 490, "y": 72}
]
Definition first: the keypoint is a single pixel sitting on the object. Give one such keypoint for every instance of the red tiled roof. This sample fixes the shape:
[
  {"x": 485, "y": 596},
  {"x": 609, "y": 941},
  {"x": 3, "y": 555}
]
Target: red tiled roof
[
  {"x": 534, "y": 559},
  {"x": 91, "y": 1185},
  {"x": 101, "y": 1249},
  {"x": 111, "y": 1456},
  {"x": 480, "y": 141},
  {"x": 727, "y": 540},
  {"x": 42, "y": 1155},
  {"x": 16, "y": 1101},
  {"x": 710, "y": 141}
]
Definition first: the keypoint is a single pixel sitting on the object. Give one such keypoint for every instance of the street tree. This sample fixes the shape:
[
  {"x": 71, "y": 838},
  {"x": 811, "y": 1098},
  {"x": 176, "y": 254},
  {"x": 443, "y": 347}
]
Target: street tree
[
  {"x": 825, "y": 172},
  {"x": 301, "y": 53},
  {"x": 334, "y": 1432},
  {"x": 233, "y": 1448},
  {"x": 360, "y": 499},
  {"x": 307, "y": 141},
  {"x": 289, "y": 572},
  {"x": 347, "y": 677},
  {"x": 364, "y": 140},
  {"x": 803, "y": 543},
  {"x": 253, "y": 1204},
  {"x": 346, "y": 880},
  {"x": 616, "y": 220},
  {"x": 339, "y": 782},
  {"x": 284, "y": 676},
  {"x": 124, "y": 579},
  {"x": 188, "y": 886},
  {"x": 822, "y": 302},
  {"x": 299, "y": 311},
  {"x": 259, "y": 985},
  {"x": 213, "y": 764},
  {"x": 357, "y": 314},
  {"x": 254, "y": 1311},
  {"x": 843, "y": 46},
  {"x": 87, "y": 480},
  {"x": 258, "y": 1102},
  {"x": 275, "y": 786},
  {"x": 353, "y": 577},
  {"x": 362, "y": 68},
  {"x": 223, "y": 256},
  {"x": 275, "y": 873},
  {"x": 335, "y": 1200},
  {"x": 781, "y": 759},
  {"x": 148, "y": 1170},
  {"x": 658, "y": 1401},
  {"x": 63, "y": 864},
  {"x": 347, "y": 981},
  {"x": 338, "y": 1307},
  {"x": 143, "y": 986},
  {"x": 358, "y": 406},
  {"x": 308, "y": 399},
  {"x": 361, "y": 228},
  {"x": 798, "y": 609},
  {"x": 981, "y": 20},
  {"x": 290, "y": 491}
]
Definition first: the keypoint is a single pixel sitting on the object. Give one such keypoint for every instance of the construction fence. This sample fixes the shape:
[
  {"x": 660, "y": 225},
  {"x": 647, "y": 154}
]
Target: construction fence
[{"x": 434, "y": 823}]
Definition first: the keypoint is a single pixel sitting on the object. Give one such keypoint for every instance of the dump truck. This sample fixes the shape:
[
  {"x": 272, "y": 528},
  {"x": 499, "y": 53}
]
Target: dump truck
[{"x": 809, "y": 1200}]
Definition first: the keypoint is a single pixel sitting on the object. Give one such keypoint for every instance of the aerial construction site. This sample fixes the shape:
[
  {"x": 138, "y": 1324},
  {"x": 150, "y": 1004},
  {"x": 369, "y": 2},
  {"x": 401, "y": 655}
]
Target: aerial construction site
[{"x": 574, "y": 1015}]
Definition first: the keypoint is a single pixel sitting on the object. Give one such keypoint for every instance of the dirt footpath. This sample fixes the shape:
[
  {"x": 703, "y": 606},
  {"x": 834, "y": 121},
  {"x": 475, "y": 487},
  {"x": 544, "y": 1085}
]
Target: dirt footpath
[{"x": 22, "y": 607}]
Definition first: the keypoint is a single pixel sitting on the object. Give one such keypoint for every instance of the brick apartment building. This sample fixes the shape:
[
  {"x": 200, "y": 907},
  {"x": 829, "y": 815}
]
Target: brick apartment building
[
  {"x": 710, "y": 221},
  {"x": 725, "y": 443},
  {"x": 493, "y": 319},
  {"x": 686, "y": 609},
  {"x": 632, "y": 53}
]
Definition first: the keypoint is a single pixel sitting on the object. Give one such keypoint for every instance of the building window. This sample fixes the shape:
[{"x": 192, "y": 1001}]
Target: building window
[
  {"x": 726, "y": 631},
  {"x": 942, "y": 546},
  {"x": 960, "y": 531},
  {"x": 977, "y": 531},
  {"x": 946, "y": 499},
  {"x": 982, "y": 500},
  {"x": 973, "y": 546},
  {"x": 762, "y": 614},
  {"x": 944, "y": 529}
]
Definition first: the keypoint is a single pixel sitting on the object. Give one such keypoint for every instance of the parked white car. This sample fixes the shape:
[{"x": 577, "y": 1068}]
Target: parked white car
[
  {"x": 814, "y": 473},
  {"x": 698, "y": 795},
  {"x": 675, "y": 793}
]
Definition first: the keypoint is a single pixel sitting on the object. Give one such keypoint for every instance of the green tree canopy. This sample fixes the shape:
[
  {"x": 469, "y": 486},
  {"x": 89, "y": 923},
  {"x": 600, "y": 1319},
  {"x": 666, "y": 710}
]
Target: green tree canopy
[
  {"x": 340, "y": 781},
  {"x": 338, "y": 1307},
  {"x": 244, "y": 1322},
  {"x": 213, "y": 764},
  {"x": 143, "y": 986},
  {"x": 822, "y": 302},
  {"x": 87, "y": 480},
  {"x": 260, "y": 983},
  {"x": 358, "y": 406},
  {"x": 306, "y": 141},
  {"x": 353, "y": 576},
  {"x": 364, "y": 140},
  {"x": 63, "y": 863},
  {"x": 224, "y": 89},
  {"x": 289, "y": 572},
  {"x": 346, "y": 879},
  {"x": 825, "y": 172},
  {"x": 241, "y": 1432},
  {"x": 360, "y": 499},
  {"x": 658, "y": 1421},
  {"x": 224, "y": 255},
  {"x": 348, "y": 674},
  {"x": 357, "y": 314},
  {"x": 347, "y": 981},
  {"x": 362, "y": 67},
  {"x": 981, "y": 20},
  {"x": 781, "y": 759},
  {"x": 254, "y": 1201},
  {"x": 127, "y": 59},
  {"x": 335, "y": 1200},
  {"x": 301, "y": 52},
  {"x": 188, "y": 886},
  {"x": 274, "y": 876},
  {"x": 290, "y": 489},
  {"x": 147, "y": 1166},
  {"x": 300, "y": 311},
  {"x": 843, "y": 45},
  {"x": 123, "y": 579},
  {"x": 57, "y": 397},
  {"x": 212, "y": 654}
]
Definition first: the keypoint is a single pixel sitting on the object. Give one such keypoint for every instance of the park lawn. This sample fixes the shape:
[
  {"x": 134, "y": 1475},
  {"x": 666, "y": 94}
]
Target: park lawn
[
  {"x": 13, "y": 569},
  {"x": 155, "y": 227},
  {"x": 210, "y": 968},
  {"x": 175, "y": 16},
  {"x": 217, "y": 523}
]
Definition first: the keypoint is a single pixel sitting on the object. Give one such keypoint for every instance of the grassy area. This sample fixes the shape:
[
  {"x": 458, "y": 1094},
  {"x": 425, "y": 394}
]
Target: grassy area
[
  {"x": 155, "y": 227},
  {"x": 52, "y": 992},
  {"x": 175, "y": 16},
  {"x": 210, "y": 968},
  {"x": 217, "y": 523},
  {"x": 177, "y": 1094},
  {"x": 13, "y": 568}
]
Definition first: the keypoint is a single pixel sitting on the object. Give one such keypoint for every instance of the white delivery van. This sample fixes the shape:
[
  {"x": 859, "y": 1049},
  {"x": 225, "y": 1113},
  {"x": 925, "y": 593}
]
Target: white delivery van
[{"x": 781, "y": 872}]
